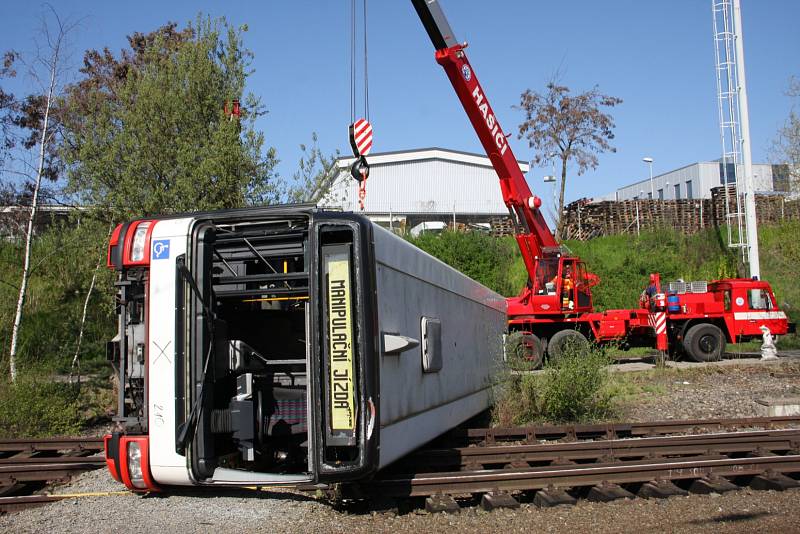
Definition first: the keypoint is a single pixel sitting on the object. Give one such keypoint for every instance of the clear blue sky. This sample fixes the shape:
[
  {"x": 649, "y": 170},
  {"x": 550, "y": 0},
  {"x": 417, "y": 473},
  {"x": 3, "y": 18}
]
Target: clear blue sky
[{"x": 657, "y": 56}]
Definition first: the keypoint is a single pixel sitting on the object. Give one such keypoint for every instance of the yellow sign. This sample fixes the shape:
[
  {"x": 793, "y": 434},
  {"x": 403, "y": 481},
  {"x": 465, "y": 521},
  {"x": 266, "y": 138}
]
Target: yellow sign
[{"x": 340, "y": 335}]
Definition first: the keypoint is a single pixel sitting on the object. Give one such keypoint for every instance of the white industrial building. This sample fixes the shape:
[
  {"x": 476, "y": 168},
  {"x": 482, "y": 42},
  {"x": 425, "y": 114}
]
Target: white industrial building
[
  {"x": 697, "y": 180},
  {"x": 428, "y": 184}
]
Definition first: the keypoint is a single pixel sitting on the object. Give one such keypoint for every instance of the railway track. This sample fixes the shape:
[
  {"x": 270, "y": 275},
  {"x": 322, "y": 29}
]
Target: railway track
[
  {"x": 585, "y": 452},
  {"x": 535, "y": 434},
  {"x": 586, "y": 464},
  {"x": 567, "y": 461},
  {"x": 28, "y": 465},
  {"x": 572, "y": 477}
]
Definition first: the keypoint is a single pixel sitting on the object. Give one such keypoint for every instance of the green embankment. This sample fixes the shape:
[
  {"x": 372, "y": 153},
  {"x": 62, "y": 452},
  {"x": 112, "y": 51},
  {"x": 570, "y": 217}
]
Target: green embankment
[
  {"x": 623, "y": 262},
  {"x": 45, "y": 401},
  {"x": 65, "y": 257}
]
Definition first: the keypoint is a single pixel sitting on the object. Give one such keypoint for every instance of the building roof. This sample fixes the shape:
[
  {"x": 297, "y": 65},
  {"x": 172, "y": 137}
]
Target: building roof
[
  {"x": 421, "y": 181},
  {"x": 420, "y": 154}
]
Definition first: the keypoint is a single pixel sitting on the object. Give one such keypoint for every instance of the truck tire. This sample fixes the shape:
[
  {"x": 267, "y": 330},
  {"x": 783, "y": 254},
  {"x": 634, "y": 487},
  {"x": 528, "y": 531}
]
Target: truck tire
[
  {"x": 565, "y": 341},
  {"x": 525, "y": 351},
  {"x": 530, "y": 351},
  {"x": 704, "y": 343}
]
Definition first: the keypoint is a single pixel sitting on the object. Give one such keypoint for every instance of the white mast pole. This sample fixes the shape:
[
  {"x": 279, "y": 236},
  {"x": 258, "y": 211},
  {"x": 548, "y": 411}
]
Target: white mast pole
[{"x": 747, "y": 163}]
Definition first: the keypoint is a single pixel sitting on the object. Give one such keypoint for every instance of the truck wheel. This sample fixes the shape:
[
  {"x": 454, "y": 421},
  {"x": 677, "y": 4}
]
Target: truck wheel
[
  {"x": 530, "y": 351},
  {"x": 566, "y": 342},
  {"x": 526, "y": 351},
  {"x": 704, "y": 343}
]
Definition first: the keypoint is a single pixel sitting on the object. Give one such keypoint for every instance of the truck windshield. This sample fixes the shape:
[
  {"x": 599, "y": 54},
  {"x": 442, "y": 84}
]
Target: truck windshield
[
  {"x": 759, "y": 299},
  {"x": 546, "y": 272}
]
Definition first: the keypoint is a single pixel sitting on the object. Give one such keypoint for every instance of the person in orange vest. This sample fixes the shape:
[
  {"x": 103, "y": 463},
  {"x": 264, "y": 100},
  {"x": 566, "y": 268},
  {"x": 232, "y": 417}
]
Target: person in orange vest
[{"x": 567, "y": 285}]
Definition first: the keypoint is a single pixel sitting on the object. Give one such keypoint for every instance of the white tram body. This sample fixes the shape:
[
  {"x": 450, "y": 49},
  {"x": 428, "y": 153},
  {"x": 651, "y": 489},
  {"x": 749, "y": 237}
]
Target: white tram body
[{"x": 288, "y": 345}]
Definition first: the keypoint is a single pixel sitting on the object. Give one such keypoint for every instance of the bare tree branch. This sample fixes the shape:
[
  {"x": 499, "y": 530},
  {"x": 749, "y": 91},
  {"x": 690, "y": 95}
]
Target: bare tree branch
[{"x": 565, "y": 127}]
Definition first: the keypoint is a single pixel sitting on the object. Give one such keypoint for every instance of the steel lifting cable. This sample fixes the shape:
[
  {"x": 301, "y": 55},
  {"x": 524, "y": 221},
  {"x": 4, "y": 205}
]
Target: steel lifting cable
[
  {"x": 360, "y": 170},
  {"x": 352, "y": 61},
  {"x": 362, "y": 187},
  {"x": 366, "y": 70},
  {"x": 353, "y": 66}
]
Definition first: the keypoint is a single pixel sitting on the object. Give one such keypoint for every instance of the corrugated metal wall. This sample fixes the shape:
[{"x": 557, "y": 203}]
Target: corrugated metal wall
[
  {"x": 704, "y": 176},
  {"x": 422, "y": 186}
]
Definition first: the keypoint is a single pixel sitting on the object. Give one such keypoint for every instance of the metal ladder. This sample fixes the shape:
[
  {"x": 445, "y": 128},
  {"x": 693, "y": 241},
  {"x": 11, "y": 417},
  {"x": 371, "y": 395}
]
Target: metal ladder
[{"x": 729, "y": 123}]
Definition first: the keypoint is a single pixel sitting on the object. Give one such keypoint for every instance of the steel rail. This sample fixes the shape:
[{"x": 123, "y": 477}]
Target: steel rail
[
  {"x": 53, "y": 444},
  {"x": 574, "y": 476},
  {"x": 27, "y": 463},
  {"x": 723, "y": 443},
  {"x": 13, "y": 504},
  {"x": 15, "y": 460},
  {"x": 618, "y": 430},
  {"x": 43, "y": 472}
]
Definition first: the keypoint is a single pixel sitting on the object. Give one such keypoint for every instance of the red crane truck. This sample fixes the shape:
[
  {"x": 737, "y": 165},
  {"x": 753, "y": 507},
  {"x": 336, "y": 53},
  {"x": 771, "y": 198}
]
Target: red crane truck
[{"x": 555, "y": 307}]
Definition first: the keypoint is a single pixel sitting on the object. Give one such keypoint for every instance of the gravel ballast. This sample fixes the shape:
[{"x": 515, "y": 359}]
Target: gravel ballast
[{"x": 722, "y": 392}]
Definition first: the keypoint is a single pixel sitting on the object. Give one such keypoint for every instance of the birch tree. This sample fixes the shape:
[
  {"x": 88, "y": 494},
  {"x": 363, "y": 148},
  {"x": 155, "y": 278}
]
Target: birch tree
[{"x": 47, "y": 70}]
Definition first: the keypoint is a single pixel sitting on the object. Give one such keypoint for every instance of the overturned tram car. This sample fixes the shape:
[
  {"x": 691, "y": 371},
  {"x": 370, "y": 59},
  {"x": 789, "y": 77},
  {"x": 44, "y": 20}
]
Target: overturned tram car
[{"x": 288, "y": 345}]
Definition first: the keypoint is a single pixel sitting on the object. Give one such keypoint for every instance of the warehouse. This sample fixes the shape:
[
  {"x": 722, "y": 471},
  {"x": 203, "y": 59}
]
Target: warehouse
[
  {"x": 406, "y": 188},
  {"x": 697, "y": 179}
]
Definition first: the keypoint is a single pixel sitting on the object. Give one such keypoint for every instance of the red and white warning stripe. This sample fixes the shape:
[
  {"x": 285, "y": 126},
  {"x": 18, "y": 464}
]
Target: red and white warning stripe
[
  {"x": 658, "y": 321},
  {"x": 362, "y": 136}
]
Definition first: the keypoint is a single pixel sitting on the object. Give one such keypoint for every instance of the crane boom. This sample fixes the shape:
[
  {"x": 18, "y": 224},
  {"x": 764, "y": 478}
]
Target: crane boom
[
  {"x": 532, "y": 233},
  {"x": 554, "y": 310}
]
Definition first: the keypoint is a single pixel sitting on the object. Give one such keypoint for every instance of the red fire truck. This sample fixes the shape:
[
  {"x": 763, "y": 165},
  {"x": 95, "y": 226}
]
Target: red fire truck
[{"x": 555, "y": 307}]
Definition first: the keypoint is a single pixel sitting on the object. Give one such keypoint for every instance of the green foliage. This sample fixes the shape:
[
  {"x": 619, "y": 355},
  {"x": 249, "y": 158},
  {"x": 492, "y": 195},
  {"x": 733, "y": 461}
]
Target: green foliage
[
  {"x": 780, "y": 264},
  {"x": 147, "y": 133},
  {"x": 573, "y": 388},
  {"x": 38, "y": 409},
  {"x": 494, "y": 262},
  {"x": 624, "y": 262}
]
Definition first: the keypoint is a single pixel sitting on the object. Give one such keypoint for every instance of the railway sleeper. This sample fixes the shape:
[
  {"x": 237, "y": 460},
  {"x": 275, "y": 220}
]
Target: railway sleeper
[
  {"x": 498, "y": 499},
  {"x": 551, "y": 496},
  {"x": 773, "y": 480},
  {"x": 712, "y": 484},
  {"x": 441, "y": 504},
  {"x": 607, "y": 492},
  {"x": 660, "y": 489}
]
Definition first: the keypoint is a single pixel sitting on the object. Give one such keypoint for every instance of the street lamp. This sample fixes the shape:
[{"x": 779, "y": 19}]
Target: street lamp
[
  {"x": 649, "y": 162},
  {"x": 551, "y": 179},
  {"x": 638, "y": 227}
]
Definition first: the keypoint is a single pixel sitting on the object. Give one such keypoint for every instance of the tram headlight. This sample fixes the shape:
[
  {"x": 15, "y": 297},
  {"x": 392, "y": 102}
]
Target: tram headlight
[
  {"x": 139, "y": 241},
  {"x": 135, "y": 470}
]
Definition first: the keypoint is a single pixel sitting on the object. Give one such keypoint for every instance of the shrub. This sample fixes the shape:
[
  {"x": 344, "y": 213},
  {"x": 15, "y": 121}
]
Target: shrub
[
  {"x": 572, "y": 388},
  {"x": 34, "y": 408}
]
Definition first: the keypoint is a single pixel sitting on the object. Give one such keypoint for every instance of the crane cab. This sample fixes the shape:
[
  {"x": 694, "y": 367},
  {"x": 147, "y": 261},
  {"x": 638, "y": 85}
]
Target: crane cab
[{"x": 561, "y": 286}]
